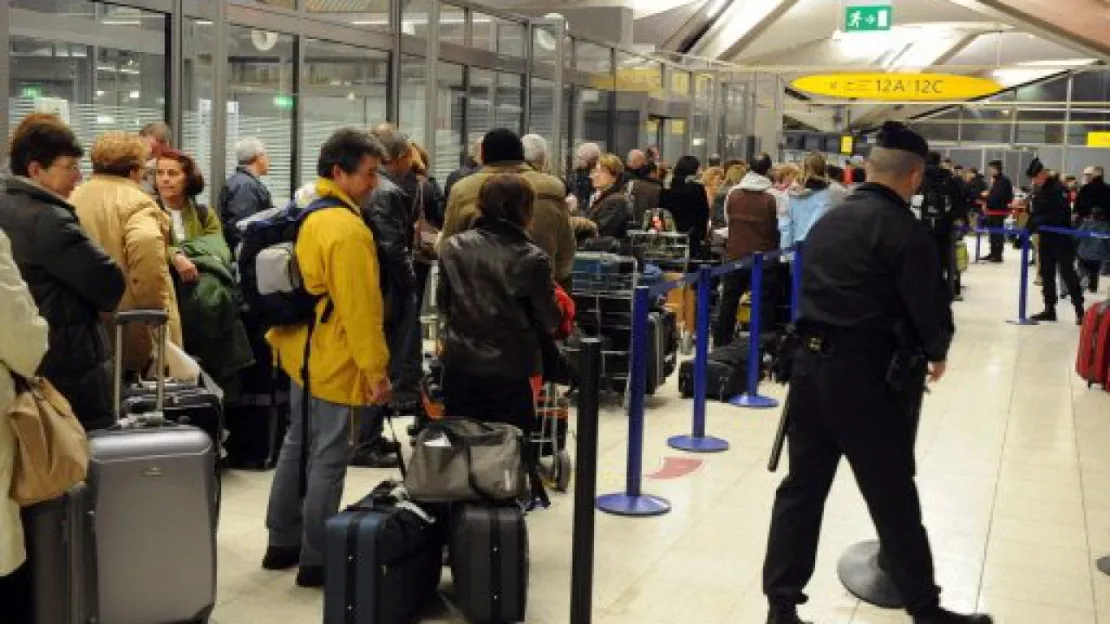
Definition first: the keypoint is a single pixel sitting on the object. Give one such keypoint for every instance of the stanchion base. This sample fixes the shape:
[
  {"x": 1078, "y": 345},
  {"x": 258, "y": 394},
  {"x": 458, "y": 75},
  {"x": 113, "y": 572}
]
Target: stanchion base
[
  {"x": 694, "y": 444},
  {"x": 644, "y": 505},
  {"x": 861, "y": 575},
  {"x": 754, "y": 401},
  {"x": 1022, "y": 322},
  {"x": 1104, "y": 565}
]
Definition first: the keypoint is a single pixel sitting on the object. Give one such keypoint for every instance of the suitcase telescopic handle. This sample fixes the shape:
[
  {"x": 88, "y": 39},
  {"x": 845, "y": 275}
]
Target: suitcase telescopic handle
[{"x": 160, "y": 318}]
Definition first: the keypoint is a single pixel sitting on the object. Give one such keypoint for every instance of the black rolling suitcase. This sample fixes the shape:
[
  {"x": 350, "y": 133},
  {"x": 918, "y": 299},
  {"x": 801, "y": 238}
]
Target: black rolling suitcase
[
  {"x": 56, "y": 546},
  {"x": 726, "y": 372},
  {"x": 489, "y": 563},
  {"x": 383, "y": 559},
  {"x": 199, "y": 405}
]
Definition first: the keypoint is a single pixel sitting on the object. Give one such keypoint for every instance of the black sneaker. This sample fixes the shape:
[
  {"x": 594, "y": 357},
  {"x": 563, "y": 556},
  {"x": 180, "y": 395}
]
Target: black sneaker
[
  {"x": 781, "y": 615},
  {"x": 374, "y": 456},
  {"x": 947, "y": 617},
  {"x": 280, "y": 558},
  {"x": 1048, "y": 315},
  {"x": 310, "y": 576}
]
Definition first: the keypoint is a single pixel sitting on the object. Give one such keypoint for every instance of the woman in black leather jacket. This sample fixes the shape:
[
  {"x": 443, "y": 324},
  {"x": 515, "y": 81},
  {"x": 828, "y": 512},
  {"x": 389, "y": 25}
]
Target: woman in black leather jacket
[
  {"x": 497, "y": 295},
  {"x": 71, "y": 278},
  {"x": 610, "y": 207}
]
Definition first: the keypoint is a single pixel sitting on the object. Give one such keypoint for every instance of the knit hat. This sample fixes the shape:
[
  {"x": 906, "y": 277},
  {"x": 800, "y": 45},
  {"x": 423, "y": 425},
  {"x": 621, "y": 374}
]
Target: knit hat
[
  {"x": 502, "y": 145},
  {"x": 896, "y": 136}
]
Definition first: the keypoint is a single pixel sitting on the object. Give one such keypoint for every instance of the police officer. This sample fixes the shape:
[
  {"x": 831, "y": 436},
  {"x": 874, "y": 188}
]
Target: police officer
[
  {"x": 875, "y": 320},
  {"x": 942, "y": 204},
  {"x": 1050, "y": 206}
]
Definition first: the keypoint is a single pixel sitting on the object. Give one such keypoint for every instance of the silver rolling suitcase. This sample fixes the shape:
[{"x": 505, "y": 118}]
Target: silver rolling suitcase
[{"x": 152, "y": 510}]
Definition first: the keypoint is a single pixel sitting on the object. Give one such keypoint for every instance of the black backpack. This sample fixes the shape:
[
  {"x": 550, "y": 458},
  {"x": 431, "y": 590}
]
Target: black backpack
[
  {"x": 935, "y": 204},
  {"x": 270, "y": 277}
]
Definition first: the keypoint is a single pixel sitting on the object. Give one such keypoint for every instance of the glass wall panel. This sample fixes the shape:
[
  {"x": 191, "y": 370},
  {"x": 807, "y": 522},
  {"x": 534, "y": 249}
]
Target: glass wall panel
[
  {"x": 451, "y": 98},
  {"x": 197, "y": 91},
  {"x": 1085, "y": 122},
  {"x": 479, "y": 104},
  {"x": 497, "y": 35},
  {"x": 542, "y": 121},
  {"x": 592, "y": 103},
  {"x": 636, "y": 80},
  {"x": 544, "y": 44},
  {"x": 674, "y": 139},
  {"x": 414, "y": 18},
  {"x": 941, "y": 127},
  {"x": 341, "y": 85},
  {"x": 452, "y": 25},
  {"x": 372, "y": 13},
  {"x": 508, "y": 111},
  {"x": 413, "y": 94},
  {"x": 703, "y": 107},
  {"x": 284, "y": 4},
  {"x": 260, "y": 101},
  {"x": 94, "y": 88}
]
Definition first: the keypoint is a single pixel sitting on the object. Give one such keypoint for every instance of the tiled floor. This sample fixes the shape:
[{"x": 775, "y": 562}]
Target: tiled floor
[{"x": 1014, "y": 456}]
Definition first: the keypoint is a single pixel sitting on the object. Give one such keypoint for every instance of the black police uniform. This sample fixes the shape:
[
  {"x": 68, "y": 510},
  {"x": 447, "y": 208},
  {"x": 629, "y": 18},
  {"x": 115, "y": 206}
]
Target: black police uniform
[
  {"x": 871, "y": 268},
  {"x": 1050, "y": 206},
  {"x": 941, "y": 184}
]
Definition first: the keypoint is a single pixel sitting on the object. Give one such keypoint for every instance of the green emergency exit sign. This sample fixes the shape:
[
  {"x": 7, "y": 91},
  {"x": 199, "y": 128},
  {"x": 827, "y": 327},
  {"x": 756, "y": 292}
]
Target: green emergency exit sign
[
  {"x": 283, "y": 102},
  {"x": 868, "y": 18},
  {"x": 31, "y": 92}
]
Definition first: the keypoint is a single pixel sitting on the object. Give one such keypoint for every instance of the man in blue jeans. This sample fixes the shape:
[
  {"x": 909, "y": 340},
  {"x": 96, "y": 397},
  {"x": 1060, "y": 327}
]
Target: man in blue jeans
[{"x": 347, "y": 356}]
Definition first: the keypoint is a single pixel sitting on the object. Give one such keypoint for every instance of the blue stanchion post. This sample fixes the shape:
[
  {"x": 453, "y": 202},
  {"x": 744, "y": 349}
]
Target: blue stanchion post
[
  {"x": 1023, "y": 287},
  {"x": 796, "y": 283},
  {"x": 978, "y": 244},
  {"x": 697, "y": 441},
  {"x": 752, "y": 398},
  {"x": 632, "y": 501}
]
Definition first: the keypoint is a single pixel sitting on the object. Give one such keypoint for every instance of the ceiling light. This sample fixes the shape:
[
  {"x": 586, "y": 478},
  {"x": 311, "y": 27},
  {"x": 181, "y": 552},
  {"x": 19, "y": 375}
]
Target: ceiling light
[
  {"x": 134, "y": 95},
  {"x": 716, "y": 8}
]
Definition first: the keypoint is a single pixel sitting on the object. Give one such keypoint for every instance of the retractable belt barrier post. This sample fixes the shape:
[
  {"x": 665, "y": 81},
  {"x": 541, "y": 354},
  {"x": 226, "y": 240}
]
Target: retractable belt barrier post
[
  {"x": 978, "y": 245},
  {"x": 632, "y": 502},
  {"x": 1023, "y": 287},
  {"x": 796, "y": 284},
  {"x": 752, "y": 398},
  {"x": 697, "y": 441},
  {"x": 585, "y": 485}
]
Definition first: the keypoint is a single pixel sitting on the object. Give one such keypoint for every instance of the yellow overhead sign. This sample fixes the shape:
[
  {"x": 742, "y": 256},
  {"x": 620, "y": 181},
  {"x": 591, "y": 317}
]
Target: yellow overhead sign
[
  {"x": 897, "y": 86},
  {"x": 847, "y": 144},
  {"x": 1098, "y": 139}
]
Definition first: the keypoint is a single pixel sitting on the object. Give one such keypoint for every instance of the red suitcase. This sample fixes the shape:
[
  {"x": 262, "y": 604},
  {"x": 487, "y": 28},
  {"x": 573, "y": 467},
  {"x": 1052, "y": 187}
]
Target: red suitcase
[{"x": 1093, "y": 360}]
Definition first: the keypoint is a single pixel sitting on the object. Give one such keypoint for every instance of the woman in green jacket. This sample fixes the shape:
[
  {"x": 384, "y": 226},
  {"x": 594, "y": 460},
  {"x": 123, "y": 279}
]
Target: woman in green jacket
[{"x": 179, "y": 181}]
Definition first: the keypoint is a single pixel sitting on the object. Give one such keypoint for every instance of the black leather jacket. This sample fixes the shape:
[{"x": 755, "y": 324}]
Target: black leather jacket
[
  {"x": 1049, "y": 206},
  {"x": 243, "y": 196},
  {"x": 72, "y": 280},
  {"x": 389, "y": 214},
  {"x": 496, "y": 294}
]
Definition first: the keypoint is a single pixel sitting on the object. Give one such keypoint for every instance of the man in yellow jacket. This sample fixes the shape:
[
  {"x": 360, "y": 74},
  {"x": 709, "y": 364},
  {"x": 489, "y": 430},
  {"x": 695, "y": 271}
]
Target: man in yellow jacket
[{"x": 348, "y": 361}]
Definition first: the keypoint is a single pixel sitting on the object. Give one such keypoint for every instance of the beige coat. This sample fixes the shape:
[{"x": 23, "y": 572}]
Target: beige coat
[
  {"x": 135, "y": 232},
  {"x": 22, "y": 344},
  {"x": 551, "y": 229}
]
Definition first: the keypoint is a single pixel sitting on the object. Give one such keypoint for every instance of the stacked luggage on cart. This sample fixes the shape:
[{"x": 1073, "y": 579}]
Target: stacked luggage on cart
[{"x": 603, "y": 287}]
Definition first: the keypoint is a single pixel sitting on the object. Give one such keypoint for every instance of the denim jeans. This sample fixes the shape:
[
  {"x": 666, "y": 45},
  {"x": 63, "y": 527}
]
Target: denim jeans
[
  {"x": 299, "y": 523},
  {"x": 397, "y": 338}
]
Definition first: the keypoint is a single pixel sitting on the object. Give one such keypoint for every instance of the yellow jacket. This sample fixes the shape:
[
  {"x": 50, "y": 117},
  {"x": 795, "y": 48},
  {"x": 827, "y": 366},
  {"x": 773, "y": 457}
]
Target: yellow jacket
[
  {"x": 135, "y": 232},
  {"x": 338, "y": 259}
]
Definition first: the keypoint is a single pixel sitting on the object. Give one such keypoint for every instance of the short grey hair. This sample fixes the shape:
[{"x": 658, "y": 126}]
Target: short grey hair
[
  {"x": 394, "y": 141},
  {"x": 535, "y": 149},
  {"x": 248, "y": 150},
  {"x": 589, "y": 152},
  {"x": 892, "y": 162}
]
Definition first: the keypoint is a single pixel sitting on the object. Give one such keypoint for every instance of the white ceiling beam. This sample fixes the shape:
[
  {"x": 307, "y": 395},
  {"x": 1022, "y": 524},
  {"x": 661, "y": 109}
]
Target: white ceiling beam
[
  {"x": 738, "y": 26},
  {"x": 1081, "y": 25}
]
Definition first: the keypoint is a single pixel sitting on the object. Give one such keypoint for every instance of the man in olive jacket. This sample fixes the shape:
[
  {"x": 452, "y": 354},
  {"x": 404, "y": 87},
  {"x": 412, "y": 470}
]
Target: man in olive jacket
[{"x": 503, "y": 152}]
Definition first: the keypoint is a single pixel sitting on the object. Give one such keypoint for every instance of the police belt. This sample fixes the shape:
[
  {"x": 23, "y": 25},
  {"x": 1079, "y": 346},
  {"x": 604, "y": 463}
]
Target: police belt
[{"x": 827, "y": 340}]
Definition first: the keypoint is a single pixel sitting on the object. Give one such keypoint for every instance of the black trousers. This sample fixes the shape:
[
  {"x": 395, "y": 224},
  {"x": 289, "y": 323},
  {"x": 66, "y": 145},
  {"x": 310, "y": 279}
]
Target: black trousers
[
  {"x": 840, "y": 406},
  {"x": 733, "y": 286},
  {"x": 998, "y": 241},
  {"x": 1092, "y": 270},
  {"x": 491, "y": 399},
  {"x": 946, "y": 250},
  {"x": 1057, "y": 254},
  {"x": 17, "y": 596},
  {"x": 413, "y": 370}
]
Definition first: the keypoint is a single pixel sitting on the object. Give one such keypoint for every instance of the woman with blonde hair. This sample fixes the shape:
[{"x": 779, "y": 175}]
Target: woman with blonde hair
[
  {"x": 135, "y": 232},
  {"x": 808, "y": 201},
  {"x": 733, "y": 175},
  {"x": 609, "y": 207}
]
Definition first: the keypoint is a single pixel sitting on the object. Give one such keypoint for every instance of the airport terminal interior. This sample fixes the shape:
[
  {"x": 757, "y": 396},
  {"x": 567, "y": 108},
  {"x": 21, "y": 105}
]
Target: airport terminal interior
[{"x": 1012, "y": 449}]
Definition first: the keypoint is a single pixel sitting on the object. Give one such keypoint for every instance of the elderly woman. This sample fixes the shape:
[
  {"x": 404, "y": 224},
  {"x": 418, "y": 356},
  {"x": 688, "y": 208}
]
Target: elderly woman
[{"x": 130, "y": 226}]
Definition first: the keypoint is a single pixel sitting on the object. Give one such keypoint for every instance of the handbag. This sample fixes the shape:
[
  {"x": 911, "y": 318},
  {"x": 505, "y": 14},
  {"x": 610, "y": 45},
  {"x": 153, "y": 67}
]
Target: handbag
[
  {"x": 465, "y": 460},
  {"x": 426, "y": 234},
  {"x": 52, "y": 453}
]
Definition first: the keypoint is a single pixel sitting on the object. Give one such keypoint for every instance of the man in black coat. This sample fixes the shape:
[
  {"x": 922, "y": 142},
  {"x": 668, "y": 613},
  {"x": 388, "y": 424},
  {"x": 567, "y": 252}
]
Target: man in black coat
[
  {"x": 942, "y": 205},
  {"x": 997, "y": 207},
  {"x": 875, "y": 319},
  {"x": 1050, "y": 207},
  {"x": 244, "y": 194},
  {"x": 1093, "y": 204}
]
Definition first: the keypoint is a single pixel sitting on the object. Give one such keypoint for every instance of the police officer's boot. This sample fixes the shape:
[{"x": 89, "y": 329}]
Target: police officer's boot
[
  {"x": 1048, "y": 315},
  {"x": 943, "y": 616},
  {"x": 784, "y": 615}
]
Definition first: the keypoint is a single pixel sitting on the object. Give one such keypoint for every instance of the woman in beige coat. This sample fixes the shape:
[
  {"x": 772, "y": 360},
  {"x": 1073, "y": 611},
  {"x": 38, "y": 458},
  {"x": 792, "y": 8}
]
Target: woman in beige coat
[
  {"x": 22, "y": 345},
  {"x": 128, "y": 224}
]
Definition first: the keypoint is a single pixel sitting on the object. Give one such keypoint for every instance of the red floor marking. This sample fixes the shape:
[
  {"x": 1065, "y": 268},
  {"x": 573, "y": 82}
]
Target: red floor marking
[{"x": 675, "y": 468}]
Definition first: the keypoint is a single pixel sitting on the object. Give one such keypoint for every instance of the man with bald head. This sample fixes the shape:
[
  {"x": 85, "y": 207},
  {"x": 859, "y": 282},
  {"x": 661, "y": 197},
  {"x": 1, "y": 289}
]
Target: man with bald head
[{"x": 636, "y": 159}]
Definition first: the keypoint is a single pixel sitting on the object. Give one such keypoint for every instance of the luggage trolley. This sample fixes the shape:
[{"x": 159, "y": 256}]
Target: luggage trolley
[
  {"x": 670, "y": 251},
  {"x": 602, "y": 287},
  {"x": 550, "y": 437}
]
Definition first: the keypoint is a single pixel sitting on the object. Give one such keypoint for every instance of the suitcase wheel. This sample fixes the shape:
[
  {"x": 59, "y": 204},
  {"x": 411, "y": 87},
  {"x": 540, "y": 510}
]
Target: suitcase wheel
[{"x": 556, "y": 471}]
